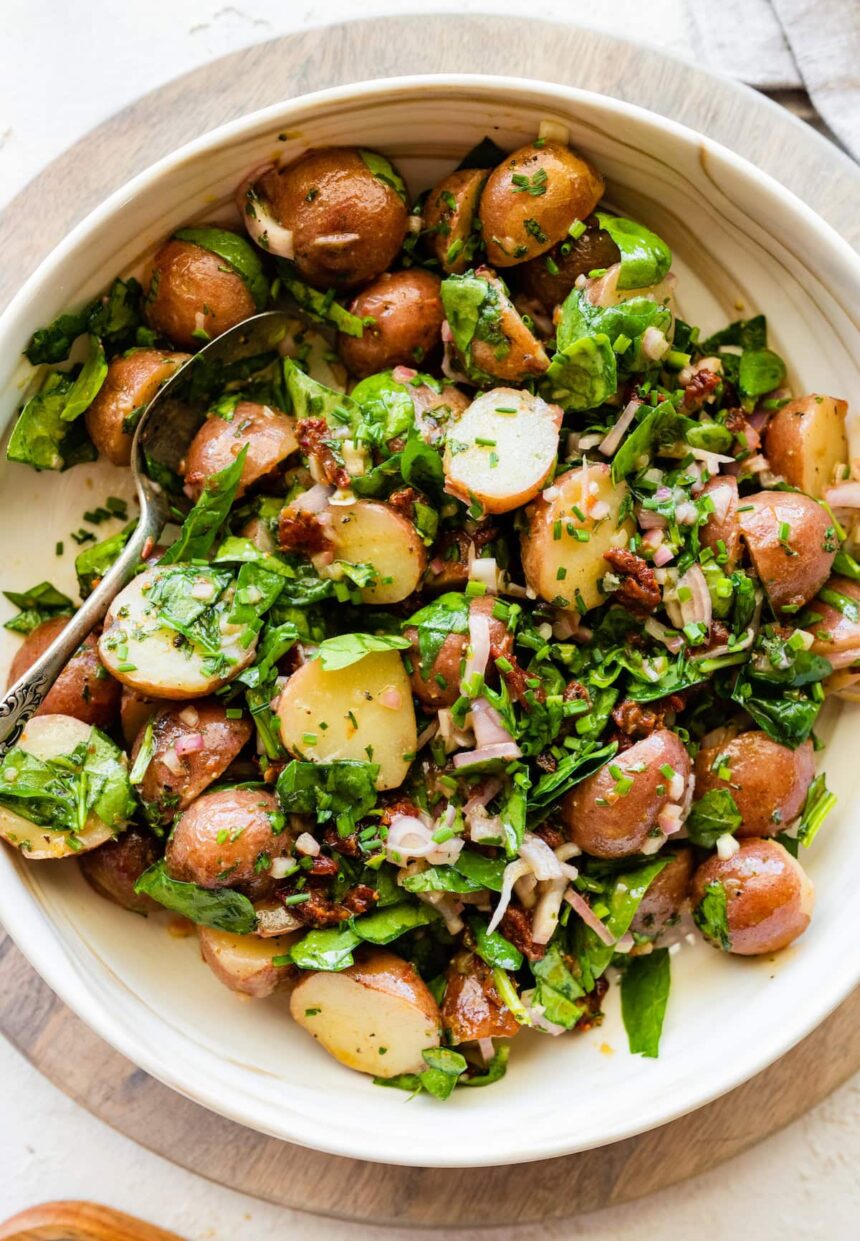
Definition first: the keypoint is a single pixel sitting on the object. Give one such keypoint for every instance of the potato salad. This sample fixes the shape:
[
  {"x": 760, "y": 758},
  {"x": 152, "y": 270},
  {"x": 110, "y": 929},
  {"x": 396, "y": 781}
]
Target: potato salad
[{"x": 479, "y": 670}]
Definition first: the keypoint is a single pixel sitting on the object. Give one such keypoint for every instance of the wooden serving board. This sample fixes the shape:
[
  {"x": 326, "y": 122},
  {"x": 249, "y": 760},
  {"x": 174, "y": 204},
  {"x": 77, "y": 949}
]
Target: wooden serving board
[{"x": 51, "y": 1037}]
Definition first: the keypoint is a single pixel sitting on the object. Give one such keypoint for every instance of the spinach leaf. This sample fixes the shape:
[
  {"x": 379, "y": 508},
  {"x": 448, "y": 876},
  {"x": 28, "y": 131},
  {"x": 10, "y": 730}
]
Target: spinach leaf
[
  {"x": 179, "y": 609},
  {"x": 349, "y": 648},
  {"x": 761, "y": 370},
  {"x": 572, "y": 769},
  {"x": 87, "y": 383},
  {"x": 114, "y": 318},
  {"x": 622, "y": 900},
  {"x": 786, "y": 714},
  {"x": 661, "y": 427},
  {"x": 386, "y": 409},
  {"x": 94, "y": 561},
  {"x": 748, "y": 333},
  {"x": 386, "y": 925},
  {"x": 329, "y": 949},
  {"x": 41, "y": 437},
  {"x": 713, "y": 815},
  {"x": 494, "y": 1071},
  {"x": 277, "y": 640},
  {"x": 644, "y": 995},
  {"x": 482, "y": 871},
  {"x": 493, "y": 948},
  {"x": 320, "y": 308},
  {"x": 444, "y": 1072},
  {"x": 40, "y": 603},
  {"x": 465, "y": 299},
  {"x": 421, "y": 467},
  {"x": 311, "y": 399},
  {"x": 628, "y": 319},
  {"x": 301, "y": 586},
  {"x": 384, "y": 171},
  {"x": 343, "y": 790},
  {"x": 582, "y": 375},
  {"x": 441, "y": 879},
  {"x": 556, "y": 988},
  {"x": 817, "y": 806},
  {"x": 485, "y": 154},
  {"x": 257, "y": 589},
  {"x": 235, "y": 251},
  {"x": 445, "y": 615},
  {"x": 645, "y": 257},
  {"x": 710, "y": 916},
  {"x": 200, "y": 528}
]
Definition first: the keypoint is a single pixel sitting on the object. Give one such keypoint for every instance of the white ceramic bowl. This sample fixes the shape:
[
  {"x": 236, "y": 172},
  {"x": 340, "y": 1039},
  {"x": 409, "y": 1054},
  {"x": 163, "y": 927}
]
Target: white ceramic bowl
[{"x": 742, "y": 244}]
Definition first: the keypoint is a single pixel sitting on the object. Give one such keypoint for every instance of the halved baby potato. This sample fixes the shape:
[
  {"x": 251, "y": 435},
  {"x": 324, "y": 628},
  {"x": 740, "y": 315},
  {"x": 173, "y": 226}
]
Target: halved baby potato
[
  {"x": 268, "y": 435},
  {"x": 143, "y": 653},
  {"x": 363, "y": 712},
  {"x": 501, "y": 450},
  {"x": 805, "y": 441},
  {"x": 244, "y": 963},
  {"x": 47, "y": 737},
  {"x": 369, "y": 532},
  {"x": 792, "y": 542},
  {"x": 722, "y": 531},
  {"x": 377, "y": 1016},
  {"x": 449, "y": 217},
  {"x": 132, "y": 381},
  {"x": 768, "y": 781},
  {"x": 83, "y": 688},
  {"x": 570, "y": 527}
]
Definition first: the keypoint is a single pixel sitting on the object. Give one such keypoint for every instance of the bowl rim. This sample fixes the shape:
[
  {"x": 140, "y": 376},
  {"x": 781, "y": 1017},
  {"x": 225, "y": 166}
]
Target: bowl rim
[{"x": 30, "y": 926}]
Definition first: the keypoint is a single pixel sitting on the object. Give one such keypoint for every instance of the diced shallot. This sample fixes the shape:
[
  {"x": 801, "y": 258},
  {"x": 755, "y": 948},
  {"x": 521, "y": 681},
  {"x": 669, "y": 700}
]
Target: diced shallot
[
  {"x": 540, "y": 857},
  {"x": 546, "y": 911},
  {"x": 403, "y": 374},
  {"x": 487, "y": 724},
  {"x": 478, "y": 651},
  {"x": 690, "y": 601},
  {"x": 410, "y": 837},
  {"x": 189, "y": 743},
  {"x": 190, "y": 716},
  {"x": 306, "y": 845},
  {"x": 581, "y": 906},
  {"x": 727, "y": 846},
  {"x": 484, "y": 754},
  {"x": 513, "y": 871},
  {"x": 843, "y": 495},
  {"x": 670, "y": 819}
]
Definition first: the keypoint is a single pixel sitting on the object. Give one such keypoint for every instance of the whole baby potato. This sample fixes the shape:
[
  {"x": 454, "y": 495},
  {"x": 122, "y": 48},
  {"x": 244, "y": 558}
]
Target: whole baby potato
[
  {"x": 84, "y": 689},
  {"x": 130, "y": 384},
  {"x": 377, "y": 1016},
  {"x": 722, "y": 531},
  {"x": 614, "y": 813},
  {"x": 805, "y": 441},
  {"x": 792, "y": 543},
  {"x": 767, "y": 781},
  {"x": 450, "y": 214},
  {"x": 229, "y": 839},
  {"x": 768, "y": 898},
  {"x": 176, "y": 773},
  {"x": 439, "y": 685},
  {"x": 406, "y": 309},
  {"x": 268, "y": 434},
  {"x": 115, "y": 867},
  {"x": 550, "y": 277},
  {"x": 666, "y": 894},
  {"x": 194, "y": 294},
  {"x": 560, "y": 565},
  {"x": 532, "y": 198},
  {"x": 346, "y": 211}
]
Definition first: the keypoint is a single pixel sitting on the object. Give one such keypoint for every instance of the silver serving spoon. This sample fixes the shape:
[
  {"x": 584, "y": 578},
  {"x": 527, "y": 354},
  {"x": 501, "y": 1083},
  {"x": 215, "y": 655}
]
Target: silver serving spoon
[{"x": 162, "y": 438}]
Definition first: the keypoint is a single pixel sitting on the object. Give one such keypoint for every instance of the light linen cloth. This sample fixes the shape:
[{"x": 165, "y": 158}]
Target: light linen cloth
[{"x": 788, "y": 45}]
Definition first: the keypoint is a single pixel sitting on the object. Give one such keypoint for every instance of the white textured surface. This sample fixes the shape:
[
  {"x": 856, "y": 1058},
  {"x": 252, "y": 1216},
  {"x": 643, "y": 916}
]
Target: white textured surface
[{"x": 802, "y": 1182}]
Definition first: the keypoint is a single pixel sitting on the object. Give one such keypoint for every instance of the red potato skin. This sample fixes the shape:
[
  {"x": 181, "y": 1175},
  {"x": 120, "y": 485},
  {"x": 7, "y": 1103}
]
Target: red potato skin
[
  {"x": 84, "y": 689},
  {"x": 131, "y": 383},
  {"x": 445, "y": 225},
  {"x": 268, "y": 434},
  {"x": 223, "y": 738},
  {"x": 834, "y": 632},
  {"x": 769, "y": 897},
  {"x": 768, "y": 781},
  {"x": 791, "y": 573},
  {"x": 194, "y": 854},
  {"x": 593, "y": 249},
  {"x": 347, "y": 225},
  {"x": 188, "y": 281},
  {"x": 451, "y": 654},
  {"x": 622, "y": 825},
  {"x": 723, "y": 526},
  {"x": 408, "y": 314},
  {"x": 114, "y": 868},
  {"x": 472, "y": 1007},
  {"x": 135, "y": 711},
  {"x": 666, "y": 895}
]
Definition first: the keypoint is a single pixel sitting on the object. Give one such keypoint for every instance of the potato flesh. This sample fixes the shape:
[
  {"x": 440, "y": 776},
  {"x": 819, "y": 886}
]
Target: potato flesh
[
  {"x": 370, "y": 533},
  {"x": 351, "y": 702},
  {"x": 805, "y": 442},
  {"x": 243, "y": 963},
  {"x": 560, "y": 567},
  {"x": 153, "y": 664},
  {"x": 47, "y": 737},
  {"x": 502, "y": 459},
  {"x": 370, "y": 1030}
]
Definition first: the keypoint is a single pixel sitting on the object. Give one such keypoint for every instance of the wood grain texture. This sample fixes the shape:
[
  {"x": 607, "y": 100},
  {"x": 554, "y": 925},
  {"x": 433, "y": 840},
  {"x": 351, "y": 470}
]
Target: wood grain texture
[
  {"x": 79, "y": 1221},
  {"x": 61, "y": 1046},
  {"x": 768, "y": 135},
  {"x": 73, "y": 1058}
]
